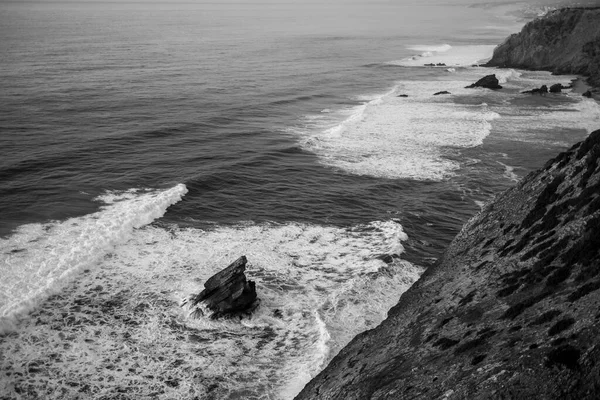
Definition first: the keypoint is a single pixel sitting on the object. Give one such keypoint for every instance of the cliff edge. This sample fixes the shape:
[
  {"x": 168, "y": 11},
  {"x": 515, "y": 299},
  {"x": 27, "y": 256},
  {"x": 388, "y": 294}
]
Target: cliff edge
[
  {"x": 565, "y": 41},
  {"x": 511, "y": 310}
]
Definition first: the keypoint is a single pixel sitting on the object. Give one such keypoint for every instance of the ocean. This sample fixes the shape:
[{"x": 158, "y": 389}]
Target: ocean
[{"x": 144, "y": 146}]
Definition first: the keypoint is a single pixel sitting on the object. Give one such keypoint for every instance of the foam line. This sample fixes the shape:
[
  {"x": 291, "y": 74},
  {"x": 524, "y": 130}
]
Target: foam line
[
  {"x": 53, "y": 253},
  {"x": 396, "y": 137},
  {"x": 451, "y": 56}
]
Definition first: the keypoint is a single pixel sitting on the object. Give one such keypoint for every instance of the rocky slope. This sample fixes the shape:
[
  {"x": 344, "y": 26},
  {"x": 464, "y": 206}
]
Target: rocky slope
[
  {"x": 511, "y": 310},
  {"x": 565, "y": 41}
]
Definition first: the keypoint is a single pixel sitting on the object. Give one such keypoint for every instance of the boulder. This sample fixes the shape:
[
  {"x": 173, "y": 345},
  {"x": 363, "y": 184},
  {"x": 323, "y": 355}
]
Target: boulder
[
  {"x": 557, "y": 88},
  {"x": 228, "y": 292},
  {"x": 442, "y": 92},
  {"x": 541, "y": 91},
  {"x": 403, "y": 95},
  {"x": 587, "y": 94},
  {"x": 488, "y": 82}
]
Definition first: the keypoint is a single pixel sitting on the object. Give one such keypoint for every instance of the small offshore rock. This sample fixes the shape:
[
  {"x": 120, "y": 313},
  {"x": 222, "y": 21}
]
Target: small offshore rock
[
  {"x": 442, "y": 92},
  {"x": 587, "y": 94},
  {"x": 403, "y": 95},
  {"x": 488, "y": 82},
  {"x": 541, "y": 91},
  {"x": 228, "y": 292},
  {"x": 557, "y": 88}
]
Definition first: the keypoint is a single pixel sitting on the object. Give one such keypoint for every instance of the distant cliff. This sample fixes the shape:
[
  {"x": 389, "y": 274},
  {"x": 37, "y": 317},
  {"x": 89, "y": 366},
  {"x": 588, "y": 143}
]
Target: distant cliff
[
  {"x": 565, "y": 41},
  {"x": 511, "y": 311}
]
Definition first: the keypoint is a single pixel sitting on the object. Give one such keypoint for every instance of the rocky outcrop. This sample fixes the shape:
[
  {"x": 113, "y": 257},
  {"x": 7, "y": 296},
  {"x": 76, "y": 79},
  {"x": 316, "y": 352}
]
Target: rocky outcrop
[
  {"x": 565, "y": 41},
  {"x": 511, "y": 311},
  {"x": 558, "y": 87},
  {"x": 228, "y": 292},
  {"x": 488, "y": 82},
  {"x": 541, "y": 90}
]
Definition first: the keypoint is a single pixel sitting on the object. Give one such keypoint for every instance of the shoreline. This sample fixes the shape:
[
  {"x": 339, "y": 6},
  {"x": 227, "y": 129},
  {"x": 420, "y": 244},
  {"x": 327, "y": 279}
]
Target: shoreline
[{"x": 126, "y": 336}]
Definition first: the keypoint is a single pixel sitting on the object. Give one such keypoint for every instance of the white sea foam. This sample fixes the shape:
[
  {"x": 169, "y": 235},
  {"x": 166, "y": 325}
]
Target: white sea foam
[
  {"x": 319, "y": 286},
  {"x": 504, "y": 75},
  {"x": 449, "y": 55},
  {"x": 430, "y": 48},
  {"x": 509, "y": 172},
  {"x": 526, "y": 123},
  {"x": 39, "y": 258},
  {"x": 397, "y": 137}
]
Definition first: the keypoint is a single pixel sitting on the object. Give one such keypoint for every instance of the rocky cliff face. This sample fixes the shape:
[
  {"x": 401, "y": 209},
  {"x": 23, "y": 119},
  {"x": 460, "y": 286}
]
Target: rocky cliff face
[
  {"x": 511, "y": 311},
  {"x": 565, "y": 41}
]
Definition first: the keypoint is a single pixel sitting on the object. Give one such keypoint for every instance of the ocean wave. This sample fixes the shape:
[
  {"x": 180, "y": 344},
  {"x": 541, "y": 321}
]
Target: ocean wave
[
  {"x": 394, "y": 137},
  {"x": 504, "y": 75},
  {"x": 430, "y": 48},
  {"x": 319, "y": 286},
  {"x": 450, "y": 56},
  {"x": 40, "y": 258}
]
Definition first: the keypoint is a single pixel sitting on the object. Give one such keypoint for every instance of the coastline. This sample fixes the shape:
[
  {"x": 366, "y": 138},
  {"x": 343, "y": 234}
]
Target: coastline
[
  {"x": 564, "y": 41},
  {"x": 118, "y": 330},
  {"x": 495, "y": 316}
]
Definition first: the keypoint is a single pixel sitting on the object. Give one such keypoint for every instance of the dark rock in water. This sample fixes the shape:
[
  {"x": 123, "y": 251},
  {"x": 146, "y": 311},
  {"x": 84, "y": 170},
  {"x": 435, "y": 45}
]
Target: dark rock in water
[
  {"x": 403, "y": 95},
  {"x": 510, "y": 311},
  {"x": 557, "y": 88},
  {"x": 587, "y": 94},
  {"x": 488, "y": 82},
  {"x": 442, "y": 92},
  {"x": 541, "y": 91},
  {"x": 225, "y": 293},
  {"x": 430, "y": 65},
  {"x": 440, "y": 65}
]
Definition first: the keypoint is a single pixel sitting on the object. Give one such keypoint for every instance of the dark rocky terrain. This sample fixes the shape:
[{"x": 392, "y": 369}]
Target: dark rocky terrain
[
  {"x": 511, "y": 311},
  {"x": 565, "y": 41}
]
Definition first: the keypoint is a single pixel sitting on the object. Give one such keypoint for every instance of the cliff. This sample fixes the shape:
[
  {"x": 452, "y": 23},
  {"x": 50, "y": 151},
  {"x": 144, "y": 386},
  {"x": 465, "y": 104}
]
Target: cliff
[
  {"x": 566, "y": 41},
  {"x": 511, "y": 310}
]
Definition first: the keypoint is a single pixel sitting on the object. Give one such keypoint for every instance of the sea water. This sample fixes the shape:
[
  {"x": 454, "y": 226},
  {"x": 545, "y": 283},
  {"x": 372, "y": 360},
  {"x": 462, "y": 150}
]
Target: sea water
[{"x": 145, "y": 146}]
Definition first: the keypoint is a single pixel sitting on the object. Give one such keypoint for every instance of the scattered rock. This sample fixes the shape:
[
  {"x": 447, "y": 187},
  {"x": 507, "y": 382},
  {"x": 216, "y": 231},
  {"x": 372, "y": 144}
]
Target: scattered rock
[
  {"x": 442, "y": 92},
  {"x": 440, "y": 65},
  {"x": 430, "y": 65},
  {"x": 587, "y": 94},
  {"x": 228, "y": 292},
  {"x": 488, "y": 82},
  {"x": 403, "y": 95}
]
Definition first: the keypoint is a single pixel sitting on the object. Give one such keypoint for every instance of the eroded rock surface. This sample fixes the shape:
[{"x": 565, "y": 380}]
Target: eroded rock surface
[
  {"x": 225, "y": 293},
  {"x": 565, "y": 41},
  {"x": 511, "y": 311},
  {"x": 488, "y": 82}
]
